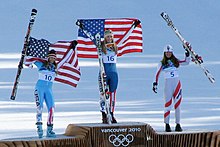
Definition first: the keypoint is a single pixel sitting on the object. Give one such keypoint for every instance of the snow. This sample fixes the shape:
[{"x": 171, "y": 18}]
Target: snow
[{"x": 135, "y": 99}]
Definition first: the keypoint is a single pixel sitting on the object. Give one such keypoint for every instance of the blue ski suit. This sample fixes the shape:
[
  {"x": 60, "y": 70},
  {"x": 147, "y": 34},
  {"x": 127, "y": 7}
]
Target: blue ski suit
[
  {"x": 43, "y": 90},
  {"x": 109, "y": 62}
]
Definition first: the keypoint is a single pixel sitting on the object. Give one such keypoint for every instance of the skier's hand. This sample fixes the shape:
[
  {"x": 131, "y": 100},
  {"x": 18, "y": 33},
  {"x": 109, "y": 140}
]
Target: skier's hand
[
  {"x": 73, "y": 44},
  {"x": 187, "y": 53},
  {"x": 137, "y": 22},
  {"x": 154, "y": 87}
]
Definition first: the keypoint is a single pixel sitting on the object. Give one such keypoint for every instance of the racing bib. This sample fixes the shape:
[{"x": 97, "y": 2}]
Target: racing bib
[
  {"x": 47, "y": 76},
  {"x": 171, "y": 74},
  {"x": 110, "y": 57}
]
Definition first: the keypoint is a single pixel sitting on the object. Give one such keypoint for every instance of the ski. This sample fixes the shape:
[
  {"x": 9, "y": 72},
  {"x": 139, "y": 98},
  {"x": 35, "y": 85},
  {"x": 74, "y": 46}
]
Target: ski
[
  {"x": 104, "y": 89},
  {"x": 195, "y": 57},
  {"x": 23, "y": 53}
]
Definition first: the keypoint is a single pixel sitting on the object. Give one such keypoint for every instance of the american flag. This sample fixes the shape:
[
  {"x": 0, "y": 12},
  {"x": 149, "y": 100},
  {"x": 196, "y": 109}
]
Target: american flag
[
  {"x": 68, "y": 68},
  {"x": 127, "y": 43}
]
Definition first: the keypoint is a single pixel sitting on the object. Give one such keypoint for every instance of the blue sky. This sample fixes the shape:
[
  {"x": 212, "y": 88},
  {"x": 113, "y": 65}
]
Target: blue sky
[{"x": 197, "y": 20}]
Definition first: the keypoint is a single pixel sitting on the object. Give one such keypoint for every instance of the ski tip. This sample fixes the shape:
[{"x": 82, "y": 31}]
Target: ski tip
[
  {"x": 212, "y": 81},
  {"x": 12, "y": 97},
  {"x": 162, "y": 14},
  {"x": 34, "y": 11},
  {"x": 77, "y": 22}
]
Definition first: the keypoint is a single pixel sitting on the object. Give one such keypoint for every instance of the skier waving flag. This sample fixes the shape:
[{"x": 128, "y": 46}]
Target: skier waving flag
[
  {"x": 68, "y": 71},
  {"x": 127, "y": 38},
  {"x": 106, "y": 39}
]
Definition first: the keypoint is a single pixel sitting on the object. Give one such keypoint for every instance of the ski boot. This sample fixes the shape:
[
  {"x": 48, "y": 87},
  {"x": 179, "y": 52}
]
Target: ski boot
[
  {"x": 113, "y": 118},
  {"x": 178, "y": 128},
  {"x": 50, "y": 132},
  {"x": 104, "y": 118},
  {"x": 167, "y": 128},
  {"x": 39, "y": 129}
]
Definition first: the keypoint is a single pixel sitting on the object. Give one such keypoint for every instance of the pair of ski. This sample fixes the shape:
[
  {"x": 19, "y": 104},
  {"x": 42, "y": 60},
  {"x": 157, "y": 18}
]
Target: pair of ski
[{"x": 195, "y": 57}]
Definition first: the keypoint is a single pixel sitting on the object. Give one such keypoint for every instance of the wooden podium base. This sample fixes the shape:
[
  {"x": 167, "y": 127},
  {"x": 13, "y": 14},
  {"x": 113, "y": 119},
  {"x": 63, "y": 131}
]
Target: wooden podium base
[
  {"x": 127, "y": 134},
  {"x": 120, "y": 134}
]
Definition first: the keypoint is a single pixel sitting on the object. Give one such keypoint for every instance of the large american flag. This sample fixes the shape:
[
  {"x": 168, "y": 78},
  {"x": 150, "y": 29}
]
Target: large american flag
[
  {"x": 127, "y": 42},
  {"x": 68, "y": 68}
]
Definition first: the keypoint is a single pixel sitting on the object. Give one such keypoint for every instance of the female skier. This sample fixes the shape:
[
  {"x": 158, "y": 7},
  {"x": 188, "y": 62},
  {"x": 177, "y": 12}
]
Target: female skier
[
  {"x": 109, "y": 56},
  {"x": 172, "y": 88},
  {"x": 43, "y": 92}
]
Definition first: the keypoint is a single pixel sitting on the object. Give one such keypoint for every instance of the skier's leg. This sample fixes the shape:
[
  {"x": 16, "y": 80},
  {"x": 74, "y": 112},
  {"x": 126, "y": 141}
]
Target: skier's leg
[
  {"x": 113, "y": 84},
  {"x": 50, "y": 116},
  {"x": 112, "y": 104},
  {"x": 112, "y": 100},
  {"x": 50, "y": 107},
  {"x": 177, "y": 102},
  {"x": 50, "y": 132},
  {"x": 39, "y": 104},
  {"x": 168, "y": 103}
]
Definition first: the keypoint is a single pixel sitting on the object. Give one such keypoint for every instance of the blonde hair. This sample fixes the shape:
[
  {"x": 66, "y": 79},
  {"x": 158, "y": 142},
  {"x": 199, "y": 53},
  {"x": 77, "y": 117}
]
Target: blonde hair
[{"x": 108, "y": 32}]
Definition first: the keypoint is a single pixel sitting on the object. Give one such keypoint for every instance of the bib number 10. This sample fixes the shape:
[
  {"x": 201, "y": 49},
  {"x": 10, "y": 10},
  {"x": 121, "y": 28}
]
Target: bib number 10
[{"x": 48, "y": 77}]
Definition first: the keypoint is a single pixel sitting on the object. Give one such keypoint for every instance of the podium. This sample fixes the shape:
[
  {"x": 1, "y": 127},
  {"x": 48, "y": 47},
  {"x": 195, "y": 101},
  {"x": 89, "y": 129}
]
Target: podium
[
  {"x": 122, "y": 134},
  {"x": 105, "y": 135}
]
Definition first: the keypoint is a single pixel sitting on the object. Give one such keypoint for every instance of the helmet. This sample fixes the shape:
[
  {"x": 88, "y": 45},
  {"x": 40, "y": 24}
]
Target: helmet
[
  {"x": 168, "y": 48},
  {"x": 107, "y": 33},
  {"x": 51, "y": 53}
]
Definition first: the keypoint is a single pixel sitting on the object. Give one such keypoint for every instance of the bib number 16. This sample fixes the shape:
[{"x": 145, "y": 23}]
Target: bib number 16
[{"x": 110, "y": 58}]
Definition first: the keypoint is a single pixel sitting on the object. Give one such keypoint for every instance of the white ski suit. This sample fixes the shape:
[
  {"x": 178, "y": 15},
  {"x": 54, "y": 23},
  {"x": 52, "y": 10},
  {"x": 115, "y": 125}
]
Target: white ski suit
[{"x": 172, "y": 88}]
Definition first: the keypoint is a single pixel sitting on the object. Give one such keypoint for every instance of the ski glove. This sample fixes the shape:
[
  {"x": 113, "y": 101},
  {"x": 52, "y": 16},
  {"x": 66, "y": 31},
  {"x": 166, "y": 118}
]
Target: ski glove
[
  {"x": 187, "y": 53},
  {"x": 73, "y": 44},
  {"x": 155, "y": 87}
]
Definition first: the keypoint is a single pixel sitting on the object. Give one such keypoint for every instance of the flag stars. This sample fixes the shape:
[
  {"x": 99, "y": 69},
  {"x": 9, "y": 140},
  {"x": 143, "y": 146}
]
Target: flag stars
[{"x": 38, "y": 48}]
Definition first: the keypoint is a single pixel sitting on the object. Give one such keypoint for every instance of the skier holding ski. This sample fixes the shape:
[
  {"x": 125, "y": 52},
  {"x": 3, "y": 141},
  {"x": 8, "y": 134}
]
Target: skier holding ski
[
  {"x": 43, "y": 92},
  {"x": 172, "y": 89},
  {"x": 109, "y": 57}
]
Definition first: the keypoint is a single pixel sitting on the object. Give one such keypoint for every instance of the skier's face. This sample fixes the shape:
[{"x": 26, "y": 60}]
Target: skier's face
[
  {"x": 51, "y": 59},
  {"x": 109, "y": 38},
  {"x": 168, "y": 54}
]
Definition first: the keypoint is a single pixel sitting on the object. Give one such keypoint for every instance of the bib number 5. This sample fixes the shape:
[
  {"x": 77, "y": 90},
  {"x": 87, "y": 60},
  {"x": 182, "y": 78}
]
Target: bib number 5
[{"x": 172, "y": 74}]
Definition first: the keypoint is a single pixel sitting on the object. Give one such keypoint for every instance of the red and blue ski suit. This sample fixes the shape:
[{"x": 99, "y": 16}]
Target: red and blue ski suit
[
  {"x": 172, "y": 88},
  {"x": 109, "y": 62}
]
